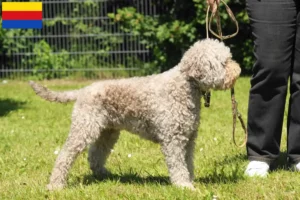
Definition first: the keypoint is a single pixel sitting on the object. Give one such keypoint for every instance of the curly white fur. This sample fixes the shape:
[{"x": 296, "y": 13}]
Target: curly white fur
[{"x": 163, "y": 108}]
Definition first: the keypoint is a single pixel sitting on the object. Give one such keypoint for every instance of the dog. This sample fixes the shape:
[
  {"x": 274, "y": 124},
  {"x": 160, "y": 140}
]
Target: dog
[{"x": 163, "y": 108}]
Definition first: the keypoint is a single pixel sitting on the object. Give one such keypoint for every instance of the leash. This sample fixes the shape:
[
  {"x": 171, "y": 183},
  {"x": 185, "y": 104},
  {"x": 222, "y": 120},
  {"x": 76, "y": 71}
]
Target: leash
[
  {"x": 216, "y": 14},
  {"x": 235, "y": 112}
]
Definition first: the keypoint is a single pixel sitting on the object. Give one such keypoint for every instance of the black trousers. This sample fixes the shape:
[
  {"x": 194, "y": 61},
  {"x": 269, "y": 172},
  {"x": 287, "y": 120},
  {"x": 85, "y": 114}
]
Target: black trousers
[{"x": 276, "y": 29}]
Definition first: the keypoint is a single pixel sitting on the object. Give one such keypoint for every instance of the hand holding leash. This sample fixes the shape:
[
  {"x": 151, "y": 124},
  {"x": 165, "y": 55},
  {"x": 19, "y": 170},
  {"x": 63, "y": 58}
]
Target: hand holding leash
[{"x": 213, "y": 4}]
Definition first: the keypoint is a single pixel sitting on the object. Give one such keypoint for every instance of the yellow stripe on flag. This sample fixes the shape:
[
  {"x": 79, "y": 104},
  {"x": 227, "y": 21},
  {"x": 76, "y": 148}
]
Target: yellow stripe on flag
[{"x": 22, "y": 6}]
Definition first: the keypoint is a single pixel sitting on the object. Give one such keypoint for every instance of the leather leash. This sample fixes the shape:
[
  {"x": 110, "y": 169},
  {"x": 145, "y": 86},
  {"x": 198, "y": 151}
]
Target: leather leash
[{"x": 235, "y": 112}]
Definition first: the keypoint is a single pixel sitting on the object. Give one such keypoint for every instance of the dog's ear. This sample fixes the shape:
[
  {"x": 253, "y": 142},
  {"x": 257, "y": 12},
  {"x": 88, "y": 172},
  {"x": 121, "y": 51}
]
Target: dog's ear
[
  {"x": 204, "y": 68},
  {"x": 191, "y": 60},
  {"x": 191, "y": 69}
]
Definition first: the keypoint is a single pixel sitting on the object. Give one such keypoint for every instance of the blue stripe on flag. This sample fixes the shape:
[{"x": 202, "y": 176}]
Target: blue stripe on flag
[{"x": 22, "y": 24}]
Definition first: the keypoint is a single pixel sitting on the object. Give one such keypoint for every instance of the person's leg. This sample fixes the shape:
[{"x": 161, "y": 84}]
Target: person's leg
[
  {"x": 273, "y": 26},
  {"x": 293, "y": 149}
]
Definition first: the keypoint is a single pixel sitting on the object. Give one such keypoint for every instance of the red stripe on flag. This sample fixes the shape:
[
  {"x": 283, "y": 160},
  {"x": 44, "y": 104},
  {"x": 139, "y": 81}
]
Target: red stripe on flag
[{"x": 22, "y": 15}]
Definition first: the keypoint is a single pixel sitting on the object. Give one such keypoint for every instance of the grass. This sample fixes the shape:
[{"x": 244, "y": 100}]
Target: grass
[{"x": 31, "y": 130}]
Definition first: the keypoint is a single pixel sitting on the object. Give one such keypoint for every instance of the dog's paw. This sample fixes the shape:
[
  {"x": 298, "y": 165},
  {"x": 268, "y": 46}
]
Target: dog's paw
[
  {"x": 101, "y": 173},
  {"x": 53, "y": 187}
]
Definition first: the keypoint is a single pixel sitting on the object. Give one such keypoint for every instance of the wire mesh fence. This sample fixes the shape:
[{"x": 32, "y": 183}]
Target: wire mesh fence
[{"x": 78, "y": 40}]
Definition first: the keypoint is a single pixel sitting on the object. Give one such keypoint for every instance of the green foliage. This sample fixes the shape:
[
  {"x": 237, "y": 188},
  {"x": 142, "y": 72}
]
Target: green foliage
[
  {"x": 45, "y": 61},
  {"x": 165, "y": 39},
  {"x": 11, "y": 45},
  {"x": 171, "y": 33},
  {"x": 50, "y": 58},
  {"x": 167, "y": 35}
]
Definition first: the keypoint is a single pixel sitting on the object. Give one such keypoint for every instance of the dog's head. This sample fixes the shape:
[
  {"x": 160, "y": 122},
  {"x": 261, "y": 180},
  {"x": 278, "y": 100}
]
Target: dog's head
[{"x": 209, "y": 62}]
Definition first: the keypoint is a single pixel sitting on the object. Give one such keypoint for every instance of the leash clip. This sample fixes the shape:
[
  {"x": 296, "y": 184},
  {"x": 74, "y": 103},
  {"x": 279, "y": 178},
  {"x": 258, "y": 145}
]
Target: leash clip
[{"x": 206, "y": 96}]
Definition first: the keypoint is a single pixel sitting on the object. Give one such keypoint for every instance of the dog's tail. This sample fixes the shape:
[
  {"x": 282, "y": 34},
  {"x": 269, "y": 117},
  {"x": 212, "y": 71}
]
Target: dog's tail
[{"x": 62, "y": 97}]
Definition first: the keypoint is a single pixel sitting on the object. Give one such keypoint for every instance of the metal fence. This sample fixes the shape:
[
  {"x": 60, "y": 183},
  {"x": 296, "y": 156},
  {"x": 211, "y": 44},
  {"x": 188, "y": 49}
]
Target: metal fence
[{"x": 78, "y": 40}]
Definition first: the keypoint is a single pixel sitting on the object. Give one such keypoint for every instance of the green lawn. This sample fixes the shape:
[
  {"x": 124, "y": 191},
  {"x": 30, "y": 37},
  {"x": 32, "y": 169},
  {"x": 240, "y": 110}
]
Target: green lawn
[{"x": 32, "y": 131}]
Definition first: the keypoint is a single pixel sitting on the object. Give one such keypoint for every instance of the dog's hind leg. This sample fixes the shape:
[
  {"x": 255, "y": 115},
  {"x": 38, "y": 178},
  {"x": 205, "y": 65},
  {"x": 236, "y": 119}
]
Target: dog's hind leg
[
  {"x": 100, "y": 150},
  {"x": 175, "y": 153},
  {"x": 84, "y": 131}
]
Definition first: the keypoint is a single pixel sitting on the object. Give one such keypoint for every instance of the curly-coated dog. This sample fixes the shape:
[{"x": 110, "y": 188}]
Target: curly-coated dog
[{"x": 163, "y": 108}]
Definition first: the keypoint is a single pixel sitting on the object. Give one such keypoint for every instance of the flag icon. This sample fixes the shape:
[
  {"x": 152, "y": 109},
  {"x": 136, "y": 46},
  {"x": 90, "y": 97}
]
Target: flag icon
[{"x": 23, "y": 15}]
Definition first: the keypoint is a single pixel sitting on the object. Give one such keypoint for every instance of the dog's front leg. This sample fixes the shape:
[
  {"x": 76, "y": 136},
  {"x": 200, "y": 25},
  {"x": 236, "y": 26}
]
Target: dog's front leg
[{"x": 175, "y": 154}]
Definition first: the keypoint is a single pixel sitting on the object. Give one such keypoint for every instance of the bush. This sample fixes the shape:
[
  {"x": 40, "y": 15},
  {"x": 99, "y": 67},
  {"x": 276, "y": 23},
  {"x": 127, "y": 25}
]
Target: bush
[
  {"x": 181, "y": 24},
  {"x": 167, "y": 35},
  {"x": 50, "y": 56}
]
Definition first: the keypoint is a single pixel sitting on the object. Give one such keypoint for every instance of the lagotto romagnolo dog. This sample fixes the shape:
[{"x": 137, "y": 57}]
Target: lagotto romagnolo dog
[{"x": 163, "y": 108}]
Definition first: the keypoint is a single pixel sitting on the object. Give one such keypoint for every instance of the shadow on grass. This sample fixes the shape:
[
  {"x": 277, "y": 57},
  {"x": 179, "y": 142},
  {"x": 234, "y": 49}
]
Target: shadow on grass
[
  {"x": 221, "y": 175},
  {"x": 281, "y": 162},
  {"x": 127, "y": 178},
  {"x": 8, "y": 105},
  {"x": 217, "y": 176}
]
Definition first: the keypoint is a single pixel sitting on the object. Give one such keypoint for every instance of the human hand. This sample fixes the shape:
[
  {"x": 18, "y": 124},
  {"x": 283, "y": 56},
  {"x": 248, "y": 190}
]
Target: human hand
[{"x": 213, "y": 4}]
